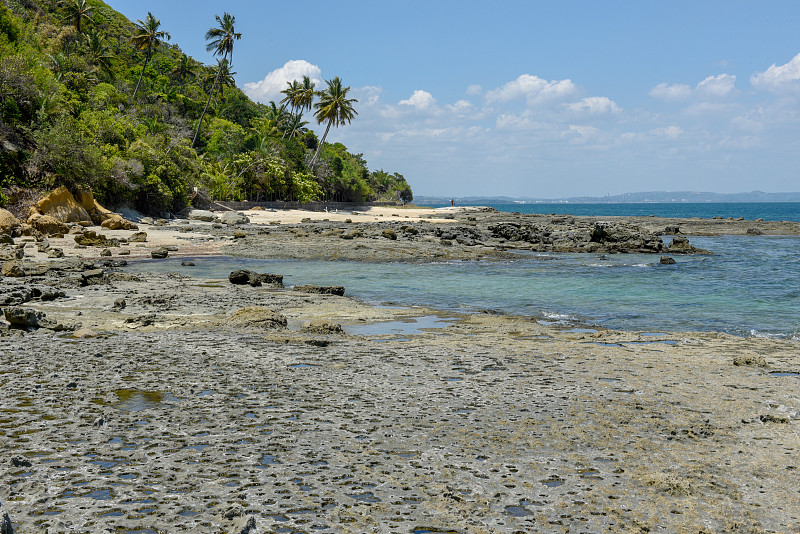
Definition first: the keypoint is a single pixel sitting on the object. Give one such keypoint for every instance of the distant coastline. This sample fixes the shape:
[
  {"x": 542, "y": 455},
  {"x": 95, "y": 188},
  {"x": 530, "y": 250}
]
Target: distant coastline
[{"x": 648, "y": 197}]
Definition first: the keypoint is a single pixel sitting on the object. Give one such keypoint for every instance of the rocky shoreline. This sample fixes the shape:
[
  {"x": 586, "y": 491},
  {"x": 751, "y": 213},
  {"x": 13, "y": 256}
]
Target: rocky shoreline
[{"x": 164, "y": 403}]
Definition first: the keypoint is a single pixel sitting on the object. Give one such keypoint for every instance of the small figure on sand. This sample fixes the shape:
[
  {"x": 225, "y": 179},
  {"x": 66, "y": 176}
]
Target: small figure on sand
[{"x": 452, "y": 202}]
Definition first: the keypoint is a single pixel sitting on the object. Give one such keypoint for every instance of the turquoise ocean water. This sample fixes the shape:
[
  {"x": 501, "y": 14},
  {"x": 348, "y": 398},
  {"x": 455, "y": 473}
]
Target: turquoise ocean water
[
  {"x": 749, "y": 287},
  {"x": 769, "y": 211}
]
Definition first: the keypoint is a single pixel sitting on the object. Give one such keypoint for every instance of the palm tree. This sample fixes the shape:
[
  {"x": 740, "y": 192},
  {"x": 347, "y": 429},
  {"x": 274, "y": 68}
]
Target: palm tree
[
  {"x": 225, "y": 78},
  {"x": 294, "y": 97},
  {"x": 334, "y": 108},
  {"x": 296, "y": 125},
  {"x": 98, "y": 52},
  {"x": 76, "y": 11},
  {"x": 184, "y": 70},
  {"x": 220, "y": 41},
  {"x": 147, "y": 37}
]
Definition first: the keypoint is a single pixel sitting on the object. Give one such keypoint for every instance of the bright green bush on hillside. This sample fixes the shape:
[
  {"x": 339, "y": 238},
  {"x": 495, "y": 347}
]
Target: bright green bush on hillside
[{"x": 68, "y": 116}]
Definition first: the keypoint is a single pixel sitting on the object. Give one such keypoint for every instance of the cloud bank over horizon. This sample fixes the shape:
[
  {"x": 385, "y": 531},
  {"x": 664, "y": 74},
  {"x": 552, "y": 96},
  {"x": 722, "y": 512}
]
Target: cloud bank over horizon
[{"x": 539, "y": 133}]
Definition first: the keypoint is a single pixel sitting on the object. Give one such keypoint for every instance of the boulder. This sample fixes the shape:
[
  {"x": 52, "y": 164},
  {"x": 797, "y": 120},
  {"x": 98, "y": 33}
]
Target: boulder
[
  {"x": 233, "y": 217},
  {"x": 138, "y": 237},
  {"x": 389, "y": 234},
  {"x": 48, "y": 225},
  {"x": 160, "y": 253},
  {"x": 93, "y": 277},
  {"x": 8, "y": 223},
  {"x": 672, "y": 230},
  {"x": 202, "y": 215},
  {"x": 62, "y": 206},
  {"x": 90, "y": 238},
  {"x": 20, "y": 317},
  {"x": 258, "y": 316},
  {"x": 246, "y": 276},
  {"x": 680, "y": 245},
  {"x": 666, "y": 260},
  {"x": 321, "y": 290},
  {"x": 754, "y": 231},
  {"x": 116, "y": 222},
  {"x": 13, "y": 269}
]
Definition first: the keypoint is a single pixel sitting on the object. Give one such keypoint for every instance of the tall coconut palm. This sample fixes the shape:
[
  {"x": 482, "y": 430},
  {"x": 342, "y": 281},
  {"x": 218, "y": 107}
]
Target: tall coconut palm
[
  {"x": 147, "y": 37},
  {"x": 225, "y": 78},
  {"x": 294, "y": 97},
  {"x": 186, "y": 69},
  {"x": 220, "y": 41},
  {"x": 308, "y": 94},
  {"x": 334, "y": 108},
  {"x": 77, "y": 11}
]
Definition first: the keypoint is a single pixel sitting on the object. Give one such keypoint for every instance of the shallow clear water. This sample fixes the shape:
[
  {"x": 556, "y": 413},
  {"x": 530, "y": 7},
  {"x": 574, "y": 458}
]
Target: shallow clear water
[{"x": 751, "y": 286}]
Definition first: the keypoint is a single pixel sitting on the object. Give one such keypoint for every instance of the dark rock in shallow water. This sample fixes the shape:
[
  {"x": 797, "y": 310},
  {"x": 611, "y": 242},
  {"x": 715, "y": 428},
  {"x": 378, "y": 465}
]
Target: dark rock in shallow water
[
  {"x": 160, "y": 253},
  {"x": 672, "y": 230},
  {"x": 680, "y": 245},
  {"x": 321, "y": 290},
  {"x": 754, "y": 231},
  {"x": 666, "y": 260},
  {"x": 246, "y": 276}
]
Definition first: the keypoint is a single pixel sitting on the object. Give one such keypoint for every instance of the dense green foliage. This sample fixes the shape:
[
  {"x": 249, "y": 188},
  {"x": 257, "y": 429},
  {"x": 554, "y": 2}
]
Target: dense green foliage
[{"x": 89, "y": 98}]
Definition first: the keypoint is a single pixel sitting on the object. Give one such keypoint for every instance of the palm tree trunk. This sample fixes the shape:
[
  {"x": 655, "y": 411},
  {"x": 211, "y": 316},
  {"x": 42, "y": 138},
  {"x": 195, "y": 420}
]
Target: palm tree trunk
[
  {"x": 319, "y": 146},
  {"x": 146, "y": 59},
  {"x": 210, "y": 95}
]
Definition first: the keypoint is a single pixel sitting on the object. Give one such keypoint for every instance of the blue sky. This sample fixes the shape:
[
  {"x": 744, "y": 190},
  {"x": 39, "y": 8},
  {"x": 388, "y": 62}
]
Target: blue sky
[{"x": 531, "y": 98}]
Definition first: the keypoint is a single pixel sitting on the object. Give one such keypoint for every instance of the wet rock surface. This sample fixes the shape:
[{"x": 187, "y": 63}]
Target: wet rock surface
[
  {"x": 473, "y": 235},
  {"x": 185, "y": 405}
]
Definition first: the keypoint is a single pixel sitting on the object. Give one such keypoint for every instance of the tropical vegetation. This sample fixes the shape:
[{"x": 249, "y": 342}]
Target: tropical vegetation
[{"x": 89, "y": 98}]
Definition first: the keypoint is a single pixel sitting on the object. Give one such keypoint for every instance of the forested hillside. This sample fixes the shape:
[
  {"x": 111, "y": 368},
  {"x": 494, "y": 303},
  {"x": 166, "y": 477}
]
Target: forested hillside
[{"x": 89, "y": 98}]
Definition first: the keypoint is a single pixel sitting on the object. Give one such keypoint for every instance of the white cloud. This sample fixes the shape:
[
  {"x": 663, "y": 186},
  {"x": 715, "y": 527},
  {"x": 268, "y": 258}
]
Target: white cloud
[
  {"x": 461, "y": 107},
  {"x": 594, "y": 105},
  {"x": 533, "y": 88},
  {"x": 369, "y": 94},
  {"x": 716, "y": 86},
  {"x": 670, "y": 132},
  {"x": 273, "y": 83},
  {"x": 712, "y": 87},
  {"x": 777, "y": 78},
  {"x": 420, "y": 100},
  {"x": 666, "y": 91},
  {"x": 474, "y": 90}
]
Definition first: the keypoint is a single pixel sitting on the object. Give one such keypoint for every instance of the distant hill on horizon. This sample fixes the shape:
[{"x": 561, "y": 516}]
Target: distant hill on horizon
[{"x": 644, "y": 197}]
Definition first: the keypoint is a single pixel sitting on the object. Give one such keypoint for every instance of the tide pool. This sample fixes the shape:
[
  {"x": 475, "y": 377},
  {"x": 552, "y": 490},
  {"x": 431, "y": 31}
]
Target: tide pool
[{"x": 750, "y": 286}]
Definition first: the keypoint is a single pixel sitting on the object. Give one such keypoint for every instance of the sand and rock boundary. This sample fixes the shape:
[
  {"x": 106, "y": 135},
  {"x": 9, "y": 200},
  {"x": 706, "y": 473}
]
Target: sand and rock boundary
[{"x": 164, "y": 403}]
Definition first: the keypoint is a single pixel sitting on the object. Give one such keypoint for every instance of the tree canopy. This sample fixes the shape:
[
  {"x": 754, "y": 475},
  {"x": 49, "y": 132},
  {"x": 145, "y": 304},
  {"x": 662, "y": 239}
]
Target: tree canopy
[{"x": 89, "y": 98}]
